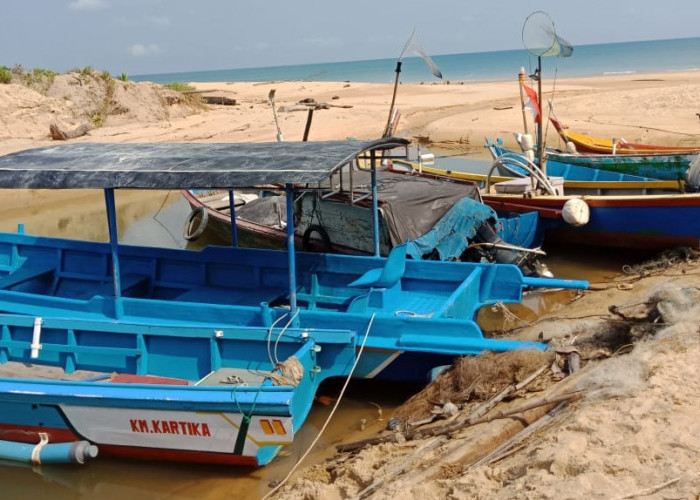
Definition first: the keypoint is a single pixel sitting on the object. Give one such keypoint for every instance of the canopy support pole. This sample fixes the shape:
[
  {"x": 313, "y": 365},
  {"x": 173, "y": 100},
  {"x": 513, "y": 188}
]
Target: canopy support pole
[
  {"x": 289, "y": 195},
  {"x": 114, "y": 245},
  {"x": 234, "y": 227},
  {"x": 387, "y": 129},
  {"x": 375, "y": 203}
]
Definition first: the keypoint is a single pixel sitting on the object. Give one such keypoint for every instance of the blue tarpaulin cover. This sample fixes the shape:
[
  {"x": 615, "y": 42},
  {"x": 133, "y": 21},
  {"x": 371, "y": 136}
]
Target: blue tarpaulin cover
[{"x": 452, "y": 233}]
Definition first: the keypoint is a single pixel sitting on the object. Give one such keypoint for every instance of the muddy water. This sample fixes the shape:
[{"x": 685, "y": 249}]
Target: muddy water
[{"x": 156, "y": 219}]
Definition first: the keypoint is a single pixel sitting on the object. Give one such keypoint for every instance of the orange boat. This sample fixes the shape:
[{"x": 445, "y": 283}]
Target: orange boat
[{"x": 588, "y": 144}]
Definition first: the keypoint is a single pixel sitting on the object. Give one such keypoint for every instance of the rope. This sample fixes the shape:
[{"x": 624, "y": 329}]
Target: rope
[
  {"x": 546, "y": 127},
  {"x": 507, "y": 246},
  {"x": 509, "y": 317},
  {"x": 245, "y": 420},
  {"x": 330, "y": 416},
  {"x": 277, "y": 340},
  {"x": 269, "y": 337},
  {"x": 666, "y": 260},
  {"x": 157, "y": 213}
]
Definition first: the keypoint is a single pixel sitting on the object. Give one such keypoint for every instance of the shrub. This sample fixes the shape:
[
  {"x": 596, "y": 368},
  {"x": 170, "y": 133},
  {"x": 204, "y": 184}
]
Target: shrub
[
  {"x": 5, "y": 75},
  {"x": 179, "y": 86}
]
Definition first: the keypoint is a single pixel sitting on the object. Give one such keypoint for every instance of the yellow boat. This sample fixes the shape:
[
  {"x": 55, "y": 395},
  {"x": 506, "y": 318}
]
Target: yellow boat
[{"x": 589, "y": 144}]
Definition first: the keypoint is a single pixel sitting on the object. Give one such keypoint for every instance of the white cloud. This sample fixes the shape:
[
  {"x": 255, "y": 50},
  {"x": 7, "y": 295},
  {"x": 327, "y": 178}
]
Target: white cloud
[
  {"x": 140, "y": 50},
  {"x": 87, "y": 5}
]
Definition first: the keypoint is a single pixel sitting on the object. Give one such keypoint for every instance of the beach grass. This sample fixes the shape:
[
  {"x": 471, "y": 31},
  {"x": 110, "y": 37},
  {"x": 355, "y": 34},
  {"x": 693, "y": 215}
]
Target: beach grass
[
  {"x": 180, "y": 86},
  {"x": 5, "y": 74}
]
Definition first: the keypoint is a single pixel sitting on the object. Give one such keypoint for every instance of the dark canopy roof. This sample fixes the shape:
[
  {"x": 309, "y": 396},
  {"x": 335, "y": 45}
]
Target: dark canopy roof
[{"x": 180, "y": 165}]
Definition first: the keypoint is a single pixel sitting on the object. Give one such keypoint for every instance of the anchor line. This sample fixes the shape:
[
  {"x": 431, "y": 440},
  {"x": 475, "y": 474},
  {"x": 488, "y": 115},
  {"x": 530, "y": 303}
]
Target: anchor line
[{"x": 330, "y": 415}]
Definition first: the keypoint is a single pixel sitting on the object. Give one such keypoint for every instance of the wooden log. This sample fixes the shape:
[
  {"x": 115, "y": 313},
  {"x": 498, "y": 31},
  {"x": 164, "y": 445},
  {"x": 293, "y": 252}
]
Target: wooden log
[
  {"x": 219, "y": 100},
  {"x": 480, "y": 443},
  {"x": 63, "y": 135},
  {"x": 315, "y": 106},
  {"x": 515, "y": 443},
  {"x": 489, "y": 437},
  {"x": 474, "y": 417},
  {"x": 456, "y": 426}
]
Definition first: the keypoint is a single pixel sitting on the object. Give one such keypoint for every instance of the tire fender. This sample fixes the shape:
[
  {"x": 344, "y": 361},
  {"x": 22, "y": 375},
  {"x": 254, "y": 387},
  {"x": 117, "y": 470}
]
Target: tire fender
[
  {"x": 195, "y": 223},
  {"x": 325, "y": 239}
]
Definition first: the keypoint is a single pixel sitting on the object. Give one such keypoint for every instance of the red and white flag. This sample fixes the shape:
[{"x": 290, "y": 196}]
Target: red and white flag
[{"x": 531, "y": 104}]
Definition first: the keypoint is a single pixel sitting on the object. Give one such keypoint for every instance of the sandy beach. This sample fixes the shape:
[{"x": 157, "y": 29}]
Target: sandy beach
[
  {"x": 654, "y": 108},
  {"x": 631, "y": 432}
]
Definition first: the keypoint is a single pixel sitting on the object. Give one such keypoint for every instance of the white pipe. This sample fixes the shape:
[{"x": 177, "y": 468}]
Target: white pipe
[{"x": 36, "y": 338}]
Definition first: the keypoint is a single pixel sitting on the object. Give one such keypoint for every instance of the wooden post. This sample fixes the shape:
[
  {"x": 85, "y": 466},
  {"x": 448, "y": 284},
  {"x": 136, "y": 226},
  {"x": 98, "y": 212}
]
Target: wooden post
[
  {"x": 387, "y": 129},
  {"x": 521, "y": 82},
  {"x": 309, "y": 117}
]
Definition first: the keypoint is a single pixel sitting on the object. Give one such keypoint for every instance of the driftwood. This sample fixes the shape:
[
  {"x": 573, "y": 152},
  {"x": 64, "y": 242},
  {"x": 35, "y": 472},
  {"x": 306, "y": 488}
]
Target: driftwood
[
  {"x": 487, "y": 406},
  {"x": 650, "y": 491},
  {"x": 479, "y": 412},
  {"x": 509, "y": 447},
  {"x": 220, "y": 100},
  {"x": 62, "y": 135},
  {"x": 456, "y": 426},
  {"x": 356, "y": 445},
  {"x": 315, "y": 106},
  {"x": 458, "y": 451},
  {"x": 402, "y": 467},
  {"x": 475, "y": 416}
]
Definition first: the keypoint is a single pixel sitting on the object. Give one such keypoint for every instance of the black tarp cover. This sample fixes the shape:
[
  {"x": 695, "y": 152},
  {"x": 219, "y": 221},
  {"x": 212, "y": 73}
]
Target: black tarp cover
[
  {"x": 412, "y": 205},
  {"x": 180, "y": 165}
]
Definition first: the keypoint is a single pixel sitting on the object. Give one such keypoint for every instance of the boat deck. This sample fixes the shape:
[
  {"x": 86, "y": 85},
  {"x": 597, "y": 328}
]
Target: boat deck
[{"x": 225, "y": 376}]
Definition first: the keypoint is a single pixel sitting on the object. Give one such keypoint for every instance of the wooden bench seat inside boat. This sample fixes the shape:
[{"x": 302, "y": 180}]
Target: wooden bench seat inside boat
[
  {"x": 383, "y": 289},
  {"x": 26, "y": 273},
  {"x": 129, "y": 282}
]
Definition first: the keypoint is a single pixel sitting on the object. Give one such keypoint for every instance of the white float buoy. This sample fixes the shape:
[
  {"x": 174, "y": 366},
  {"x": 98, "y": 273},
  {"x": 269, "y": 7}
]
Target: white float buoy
[{"x": 576, "y": 212}]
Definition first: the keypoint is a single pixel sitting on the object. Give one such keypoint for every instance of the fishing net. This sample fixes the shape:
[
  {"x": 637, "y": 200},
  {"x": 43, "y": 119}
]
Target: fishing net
[{"x": 540, "y": 37}]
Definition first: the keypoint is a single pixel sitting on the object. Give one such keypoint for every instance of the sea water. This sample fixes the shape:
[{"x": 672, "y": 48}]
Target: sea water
[{"x": 655, "y": 56}]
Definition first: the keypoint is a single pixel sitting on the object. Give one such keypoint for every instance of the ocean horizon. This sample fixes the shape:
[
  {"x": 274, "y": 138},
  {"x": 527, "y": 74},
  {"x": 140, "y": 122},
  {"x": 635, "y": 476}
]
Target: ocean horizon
[{"x": 653, "y": 56}]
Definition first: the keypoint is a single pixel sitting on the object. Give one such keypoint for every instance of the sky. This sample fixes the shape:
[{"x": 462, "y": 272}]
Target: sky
[{"x": 136, "y": 37}]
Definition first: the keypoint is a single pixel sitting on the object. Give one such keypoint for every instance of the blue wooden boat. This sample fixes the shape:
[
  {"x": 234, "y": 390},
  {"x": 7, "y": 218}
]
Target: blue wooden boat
[
  {"x": 569, "y": 167},
  {"x": 212, "y": 356},
  {"x": 660, "y": 166},
  {"x": 648, "y": 214},
  {"x": 607, "y": 167},
  {"x": 441, "y": 219}
]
